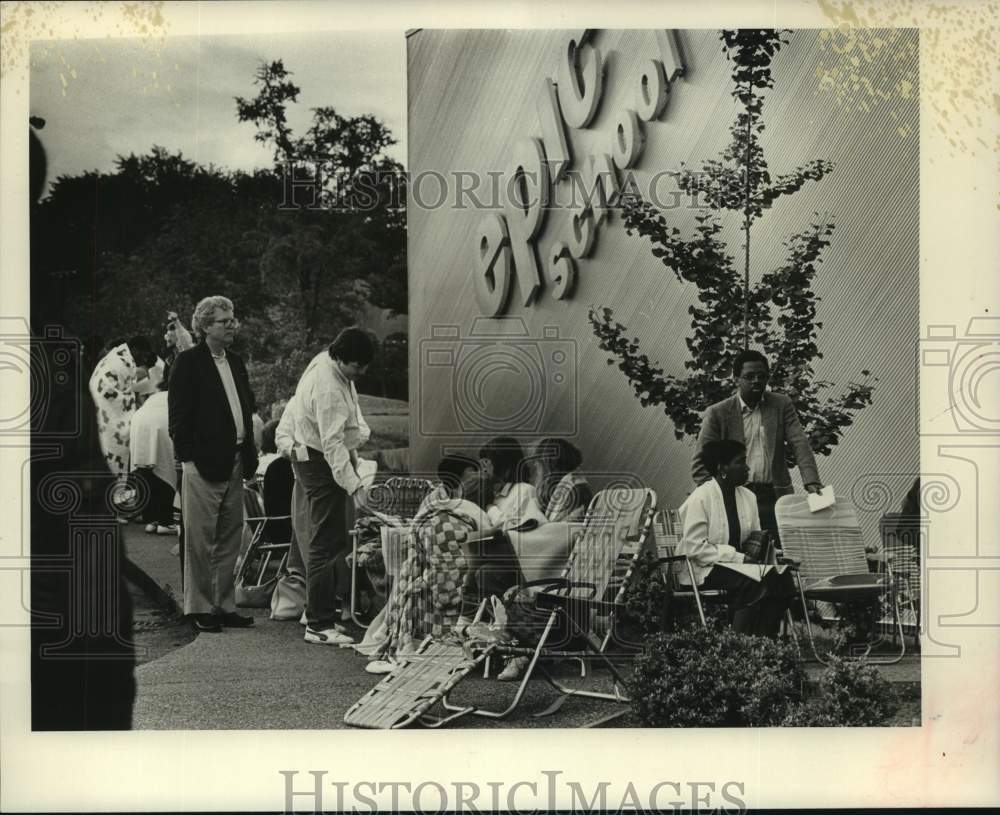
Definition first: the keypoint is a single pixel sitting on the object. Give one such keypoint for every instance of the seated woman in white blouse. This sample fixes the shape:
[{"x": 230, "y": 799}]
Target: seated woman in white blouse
[{"x": 720, "y": 519}]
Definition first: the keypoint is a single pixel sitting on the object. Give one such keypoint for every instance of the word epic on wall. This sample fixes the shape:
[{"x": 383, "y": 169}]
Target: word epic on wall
[{"x": 506, "y": 243}]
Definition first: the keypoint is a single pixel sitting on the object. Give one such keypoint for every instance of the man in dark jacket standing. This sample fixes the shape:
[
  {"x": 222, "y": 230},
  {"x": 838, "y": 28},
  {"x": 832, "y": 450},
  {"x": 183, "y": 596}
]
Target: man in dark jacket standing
[
  {"x": 766, "y": 422},
  {"x": 210, "y": 404}
]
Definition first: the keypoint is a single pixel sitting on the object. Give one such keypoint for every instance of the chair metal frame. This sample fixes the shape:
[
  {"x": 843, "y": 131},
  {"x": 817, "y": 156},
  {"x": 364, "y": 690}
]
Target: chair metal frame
[
  {"x": 256, "y": 525},
  {"x": 666, "y": 526},
  {"x": 430, "y": 674},
  {"x": 403, "y": 496},
  {"x": 837, "y": 571},
  {"x": 562, "y": 599}
]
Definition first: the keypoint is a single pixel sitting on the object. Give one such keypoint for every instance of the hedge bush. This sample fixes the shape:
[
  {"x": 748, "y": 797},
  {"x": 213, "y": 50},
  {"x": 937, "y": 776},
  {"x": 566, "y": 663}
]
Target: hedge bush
[
  {"x": 715, "y": 678},
  {"x": 851, "y": 694}
]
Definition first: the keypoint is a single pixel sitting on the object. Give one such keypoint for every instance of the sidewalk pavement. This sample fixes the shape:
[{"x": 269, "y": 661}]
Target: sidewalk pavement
[{"x": 268, "y": 677}]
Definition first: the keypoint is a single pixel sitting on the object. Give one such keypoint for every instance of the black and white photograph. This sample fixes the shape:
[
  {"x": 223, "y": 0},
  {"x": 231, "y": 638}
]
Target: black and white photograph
[{"x": 471, "y": 375}]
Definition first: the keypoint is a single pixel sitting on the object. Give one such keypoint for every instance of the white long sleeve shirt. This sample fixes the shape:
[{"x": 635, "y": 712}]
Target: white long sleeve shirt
[
  {"x": 327, "y": 418},
  {"x": 706, "y": 528},
  {"x": 284, "y": 433}
]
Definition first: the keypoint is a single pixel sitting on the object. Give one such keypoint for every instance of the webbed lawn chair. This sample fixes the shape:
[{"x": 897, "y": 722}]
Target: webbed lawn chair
[
  {"x": 833, "y": 564},
  {"x": 263, "y": 551},
  {"x": 902, "y": 538},
  {"x": 668, "y": 533},
  {"x": 398, "y": 497},
  {"x": 614, "y": 518}
]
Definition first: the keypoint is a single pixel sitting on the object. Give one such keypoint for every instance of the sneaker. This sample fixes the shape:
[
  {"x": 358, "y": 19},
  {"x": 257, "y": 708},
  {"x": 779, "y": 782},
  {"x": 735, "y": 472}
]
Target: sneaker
[
  {"x": 151, "y": 528},
  {"x": 328, "y": 636},
  {"x": 206, "y": 623},
  {"x": 233, "y": 620},
  {"x": 165, "y": 530},
  {"x": 303, "y": 620},
  {"x": 381, "y": 666},
  {"x": 514, "y": 669}
]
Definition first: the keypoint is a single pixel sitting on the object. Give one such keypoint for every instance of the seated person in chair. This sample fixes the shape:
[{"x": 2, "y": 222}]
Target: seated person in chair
[
  {"x": 513, "y": 501},
  {"x": 561, "y": 491},
  {"x": 428, "y": 595},
  {"x": 720, "y": 524}
]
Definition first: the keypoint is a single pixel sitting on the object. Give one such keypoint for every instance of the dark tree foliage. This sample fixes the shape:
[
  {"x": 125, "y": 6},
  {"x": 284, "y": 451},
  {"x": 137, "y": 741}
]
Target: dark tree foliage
[
  {"x": 778, "y": 315},
  {"x": 111, "y": 253}
]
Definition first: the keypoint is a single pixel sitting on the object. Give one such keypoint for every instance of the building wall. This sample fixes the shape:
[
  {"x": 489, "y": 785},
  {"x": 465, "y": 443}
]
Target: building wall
[{"x": 472, "y": 96}]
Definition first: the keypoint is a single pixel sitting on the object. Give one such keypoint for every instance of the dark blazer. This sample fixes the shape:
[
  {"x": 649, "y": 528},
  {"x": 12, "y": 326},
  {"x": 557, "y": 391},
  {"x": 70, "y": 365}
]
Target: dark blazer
[
  {"x": 201, "y": 423},
  {"x": 724, "y": 420}
]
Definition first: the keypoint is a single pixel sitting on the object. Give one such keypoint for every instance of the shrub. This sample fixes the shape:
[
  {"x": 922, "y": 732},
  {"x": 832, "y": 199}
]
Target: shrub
[
  {"x": 715, "y": 678},
  {"x": 851, "y": 694},
  {"x": 646, "y": 600}
]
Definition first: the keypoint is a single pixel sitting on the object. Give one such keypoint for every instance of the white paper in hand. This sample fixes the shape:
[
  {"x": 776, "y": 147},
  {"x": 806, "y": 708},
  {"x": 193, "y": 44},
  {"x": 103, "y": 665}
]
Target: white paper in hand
[
  {"x": 822, "y": 499},
  {"x": 366, "y": 472}
]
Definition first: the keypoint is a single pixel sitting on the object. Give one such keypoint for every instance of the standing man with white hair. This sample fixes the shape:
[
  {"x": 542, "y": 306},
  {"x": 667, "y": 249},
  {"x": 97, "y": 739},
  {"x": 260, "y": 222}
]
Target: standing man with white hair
[{"x": 210, "y": 405}]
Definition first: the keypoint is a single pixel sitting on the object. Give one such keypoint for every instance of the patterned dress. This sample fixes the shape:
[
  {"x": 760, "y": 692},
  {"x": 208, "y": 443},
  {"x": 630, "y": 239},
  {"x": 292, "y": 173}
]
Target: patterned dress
[{"x": 112, "y": 389}]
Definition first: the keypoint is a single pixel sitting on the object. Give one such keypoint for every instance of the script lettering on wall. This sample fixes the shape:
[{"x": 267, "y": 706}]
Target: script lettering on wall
[{"x": 506, "y": 245}]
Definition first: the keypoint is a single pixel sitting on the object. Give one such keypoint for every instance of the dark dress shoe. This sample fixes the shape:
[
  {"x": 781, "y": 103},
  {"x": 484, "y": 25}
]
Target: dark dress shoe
[
  {"x": 207, "y": 623},
  {"x": 233, "y": 620}
]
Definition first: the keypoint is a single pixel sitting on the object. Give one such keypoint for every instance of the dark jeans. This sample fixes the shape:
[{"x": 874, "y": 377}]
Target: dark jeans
[
  {"x": 757, "y": 608},
  {"x": 493, "y": 568},
  {"x": 326, "y": 540},
  {"x": 766, "y": 498}
]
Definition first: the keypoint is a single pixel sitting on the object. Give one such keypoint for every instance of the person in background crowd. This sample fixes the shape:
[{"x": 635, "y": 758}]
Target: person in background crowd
[
  {"x": 511, "y": 500},
  {"x": 152, "y": 460},
  {"x": 210, "y": 403},
  {"x": 562, "y": 493},
  {"x": 176, "y": 337},
  {"x": 766, "y": 422},
  {"x": 113, "y": 389},
  {"x": 328, "y": 430},
  {"x": 721, "y": 523}
]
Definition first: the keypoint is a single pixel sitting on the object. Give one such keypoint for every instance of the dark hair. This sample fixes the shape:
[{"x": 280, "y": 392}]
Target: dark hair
[
  {"x": 507, "y": 457},
  {"x": 267, "y": 443},
  {"x": 720, "y": 451},
  {"x": 142, "y": 350},
  {"x": 561, "y": 456},
  {"x": 743, "y": 357},
  {"x": 451, "y": 468},
  {"x": 353, "y": 344}
]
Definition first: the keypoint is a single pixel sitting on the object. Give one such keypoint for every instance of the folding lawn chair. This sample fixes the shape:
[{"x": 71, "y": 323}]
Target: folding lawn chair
[
  {"x": 399, "y": 497},
  {"x": 902, "y": 538},
  {"x": 263, "y": 555},
  {"x": 567, "y": 605},
  {"x": 667, "y": 530},
  {"x": 833, "y": 564}
]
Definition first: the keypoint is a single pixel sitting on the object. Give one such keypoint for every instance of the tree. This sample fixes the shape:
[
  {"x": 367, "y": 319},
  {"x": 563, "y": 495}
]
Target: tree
[
  {"x": 343, "y": 237},
  {"x": 778, "y": 314}
]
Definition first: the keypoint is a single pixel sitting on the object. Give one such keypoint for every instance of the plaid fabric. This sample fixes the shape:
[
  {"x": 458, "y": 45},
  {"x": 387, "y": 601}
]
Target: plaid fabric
[{"x": 428, "y": 593}]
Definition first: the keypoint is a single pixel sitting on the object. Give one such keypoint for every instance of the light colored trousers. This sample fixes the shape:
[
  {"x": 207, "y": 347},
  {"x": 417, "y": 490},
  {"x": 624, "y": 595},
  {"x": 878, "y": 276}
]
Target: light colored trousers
[{"x": 213, "y": 529}]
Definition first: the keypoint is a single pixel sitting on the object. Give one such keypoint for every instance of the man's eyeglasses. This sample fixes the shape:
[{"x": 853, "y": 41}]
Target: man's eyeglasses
[
  {"x": 754, "y": 377},
  {"x": 231, "y": 322}
]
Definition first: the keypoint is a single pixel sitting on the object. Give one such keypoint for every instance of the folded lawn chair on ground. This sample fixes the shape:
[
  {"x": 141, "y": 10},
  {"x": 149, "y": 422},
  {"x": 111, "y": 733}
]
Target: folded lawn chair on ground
[
  {"x": 567, "y": 606},
  {"x": 833, "y": 564}
]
